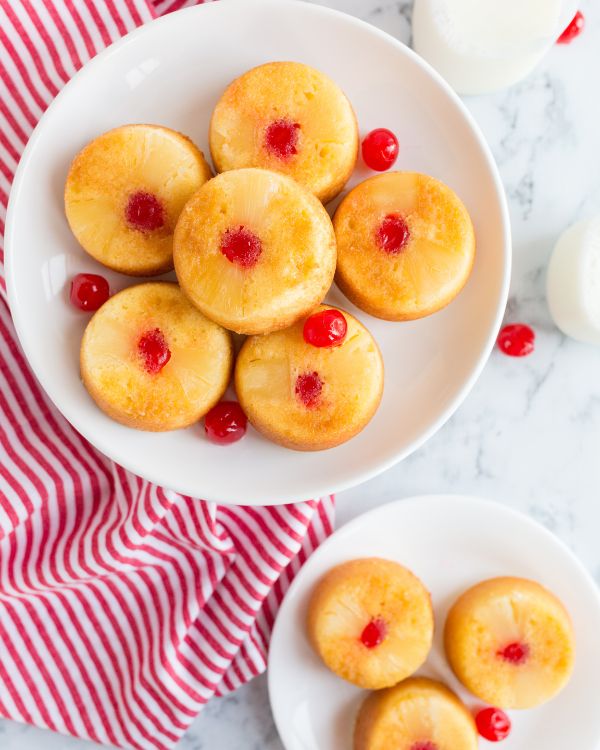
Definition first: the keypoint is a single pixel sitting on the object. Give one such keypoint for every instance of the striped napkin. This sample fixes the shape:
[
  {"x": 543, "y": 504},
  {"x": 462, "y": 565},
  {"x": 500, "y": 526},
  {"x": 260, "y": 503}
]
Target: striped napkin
[{"x": 124, "y": 607}]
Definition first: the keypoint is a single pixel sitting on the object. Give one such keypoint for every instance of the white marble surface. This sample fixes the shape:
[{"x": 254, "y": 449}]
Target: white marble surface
[{"x": 529, "y": 434}]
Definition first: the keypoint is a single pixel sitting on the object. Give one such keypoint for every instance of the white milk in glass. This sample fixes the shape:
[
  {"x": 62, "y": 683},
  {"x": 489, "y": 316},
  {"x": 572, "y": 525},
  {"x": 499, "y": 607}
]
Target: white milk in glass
[{"x": 485, "y": 45}]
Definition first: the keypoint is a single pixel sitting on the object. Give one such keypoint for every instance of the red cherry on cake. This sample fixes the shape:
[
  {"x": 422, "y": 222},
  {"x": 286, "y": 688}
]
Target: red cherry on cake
[
  {"x": 325, "y": 328},
  {"x": 374, "y": 633},
  {"x": 154, "y": 351},
  {"x": 144, "y": 212},
  {"x": 393, "y": 234},
  {"x": 89, "y": 291},
  {"x": 427, "y": 745},
  {"x": 573, "y": 30},
  {"x": 225, "y": 423},
  {"x": 516, "y": 340},
  {"x": 281, "y": 138},
  {"x": 515, "y": 653},
  {"x": 380, "y": 149},
  {"x": 493, "y": 724},
  {"x": 240, "y": 245},
  {"x": 308, "y": 388}
]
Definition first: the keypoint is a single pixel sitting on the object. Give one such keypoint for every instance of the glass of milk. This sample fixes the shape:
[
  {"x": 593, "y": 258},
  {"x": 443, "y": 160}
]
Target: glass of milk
[{"x": 481, "y": 46}]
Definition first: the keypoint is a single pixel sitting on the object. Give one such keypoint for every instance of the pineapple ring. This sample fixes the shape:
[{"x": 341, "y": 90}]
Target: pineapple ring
[
  {"x": 429, "y": 239},
  {"x": 342, "y": 397},
  {"x": 418, "y": 713},
  {"x": 290, "y": 118},
  {"x": 125, "y": 191},
  {"x": 510, "y": 642},
  {"x": 354, "y": 596},
  {"x": 190, "y": 383},
  {"x": 254, "y": 251}
]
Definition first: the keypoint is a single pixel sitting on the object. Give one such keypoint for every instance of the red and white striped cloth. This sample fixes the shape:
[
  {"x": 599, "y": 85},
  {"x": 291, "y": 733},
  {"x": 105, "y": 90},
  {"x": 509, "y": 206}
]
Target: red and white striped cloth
[{"x": 123, "y": 606}]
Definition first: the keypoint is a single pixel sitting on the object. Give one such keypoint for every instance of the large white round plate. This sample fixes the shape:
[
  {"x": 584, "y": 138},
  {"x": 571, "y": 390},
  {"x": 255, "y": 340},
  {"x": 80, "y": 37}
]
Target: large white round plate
[
  {"x": 451, "y": 543},
  {"x": 172, "y": 72}
]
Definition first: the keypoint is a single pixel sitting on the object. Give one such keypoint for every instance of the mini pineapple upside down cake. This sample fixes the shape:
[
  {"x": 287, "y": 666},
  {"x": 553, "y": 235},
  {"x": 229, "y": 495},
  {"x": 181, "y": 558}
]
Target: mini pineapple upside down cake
[
  {"x": 406, "y": 245},
  {"x": 290, "y": 118},
  {"x": 510, "y": 642},
  {"x": 417, "y": 714},
  {"x": 150, "y": 360},
  {"x": 254, "y": 251},
  {"x": 124, "y": 193},
  {"x": 314, "y": 385},
  {"x": 371, "y": 622}
]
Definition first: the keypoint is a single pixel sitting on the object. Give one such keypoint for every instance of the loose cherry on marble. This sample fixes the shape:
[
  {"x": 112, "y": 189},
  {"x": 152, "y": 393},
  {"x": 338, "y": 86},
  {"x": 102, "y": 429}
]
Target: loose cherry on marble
[
  {"x": 325, "y": 329},
  {"x": 225, "y": 423},
  {"x": 515, "y": 653},
  {"x": 240, "y": 245},
  {"x": 493, "y": 724},
  {"x": 144, "y": 212},
  {"x": 373, "y": 633},
  {"x": 89, "y": 291},
  {"x": 308, "y": 388},
  {"x": 573, "y": 30},
  {"x": 281, "y": 138},
  {"x": 393, "y": 234},
  {"x": 154, "y": 351},
  {"x": 380, "y": 149},
  {"x": 516, "y": 340}
]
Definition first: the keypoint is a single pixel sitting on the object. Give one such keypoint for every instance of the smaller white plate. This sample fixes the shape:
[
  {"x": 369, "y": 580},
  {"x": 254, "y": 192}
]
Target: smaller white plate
[{"x": 450, "y": 542}]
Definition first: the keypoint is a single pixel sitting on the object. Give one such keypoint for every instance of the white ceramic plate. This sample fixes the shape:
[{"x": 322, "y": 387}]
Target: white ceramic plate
[
  {"x": 172, "y": 72},
  {"x": 451, "y": 543}
]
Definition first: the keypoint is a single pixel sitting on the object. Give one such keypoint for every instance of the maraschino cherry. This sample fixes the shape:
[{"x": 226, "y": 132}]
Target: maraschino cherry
[
  {"x": 89, "y": 291},
  {"x": 325, "y": 329},
  {"x": 573, "y": 30},
  {"x": 225, "y": 423},
  {"x": 380, "y": 149},
  {"x": 308, "y": 388},
  {"x": 393, "y": 234},
  {"x": 144, "y": 212},
  {"x": 515, "y": 653},
  {"x": 374, "y": 633},
  {"x": 241, "y": 246},
  {"x": 281, "y": 138},
  {"x": 493, "y": 724},
  {"x": 154, "y": 351},
  {"x": 516, "y": 340}
]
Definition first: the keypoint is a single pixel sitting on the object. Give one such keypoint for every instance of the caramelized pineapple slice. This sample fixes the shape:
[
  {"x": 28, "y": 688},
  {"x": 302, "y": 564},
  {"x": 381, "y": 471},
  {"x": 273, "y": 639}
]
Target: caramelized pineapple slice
[
  {"x": 417, "y": 714},
  {"x": 125, "y": 191},
  {"x": 306, "y": 397},
  {"x": 371, "y": 622},
  {"x": 150, "y": 360},
  {"x": 290, "y": 118},
  {"x": 510, "y": 642},
  {"x": 406, "y": 245},
  {"x": 254, "y": 251}
]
